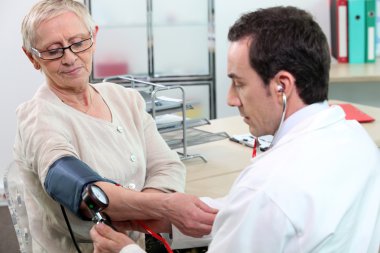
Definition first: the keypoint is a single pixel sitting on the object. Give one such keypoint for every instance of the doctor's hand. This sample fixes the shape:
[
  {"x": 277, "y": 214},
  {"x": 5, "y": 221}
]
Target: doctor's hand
[
  {"x": 189, "y": 214},
  {"x": 107, "y": 240}
]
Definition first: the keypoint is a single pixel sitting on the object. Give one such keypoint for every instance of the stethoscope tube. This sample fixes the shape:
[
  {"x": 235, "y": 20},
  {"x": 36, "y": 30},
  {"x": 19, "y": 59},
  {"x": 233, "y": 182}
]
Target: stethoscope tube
[{"x": 284, "y": 106}]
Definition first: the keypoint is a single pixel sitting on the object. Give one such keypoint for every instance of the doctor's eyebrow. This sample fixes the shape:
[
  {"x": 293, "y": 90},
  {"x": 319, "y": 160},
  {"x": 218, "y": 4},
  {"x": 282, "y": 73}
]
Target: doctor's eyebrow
[{"x": 233, "y": 76}]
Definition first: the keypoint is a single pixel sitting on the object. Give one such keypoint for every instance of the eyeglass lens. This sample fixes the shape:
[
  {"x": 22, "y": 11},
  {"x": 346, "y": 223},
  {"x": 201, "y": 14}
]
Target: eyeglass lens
[{"x": 75, "y": 48}]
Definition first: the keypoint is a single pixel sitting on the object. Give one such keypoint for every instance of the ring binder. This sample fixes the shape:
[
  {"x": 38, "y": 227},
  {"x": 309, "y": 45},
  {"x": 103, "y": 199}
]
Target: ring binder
[
  {"x": 356, "y": 31},
  {"x": 339, "y": 33}
]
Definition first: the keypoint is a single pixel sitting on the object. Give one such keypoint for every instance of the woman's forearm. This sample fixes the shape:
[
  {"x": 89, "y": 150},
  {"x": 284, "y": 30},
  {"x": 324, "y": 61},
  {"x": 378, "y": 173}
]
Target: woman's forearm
[{"x": 187, "y": 212}]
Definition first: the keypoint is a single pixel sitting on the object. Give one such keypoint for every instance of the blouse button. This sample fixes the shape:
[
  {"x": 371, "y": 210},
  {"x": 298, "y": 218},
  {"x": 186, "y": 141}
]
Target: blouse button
[
  {"x": 119, "y": 129},
  {"x": 131, "y": 186},
  {"x": 133, "y": 158}
]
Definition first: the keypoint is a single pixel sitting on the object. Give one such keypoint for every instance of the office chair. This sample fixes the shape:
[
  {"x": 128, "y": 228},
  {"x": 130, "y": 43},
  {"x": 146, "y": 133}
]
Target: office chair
[{"x": 14, "y": 193}]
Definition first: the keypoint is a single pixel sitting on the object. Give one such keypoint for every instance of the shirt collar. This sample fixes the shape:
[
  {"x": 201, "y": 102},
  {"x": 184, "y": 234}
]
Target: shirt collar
[{"x": 299, "y": 116}]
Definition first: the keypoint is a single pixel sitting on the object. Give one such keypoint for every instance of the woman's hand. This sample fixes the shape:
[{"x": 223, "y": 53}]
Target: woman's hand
[
  {"x": 186, "y": 212},
  {"x": 107, "y": 240}
]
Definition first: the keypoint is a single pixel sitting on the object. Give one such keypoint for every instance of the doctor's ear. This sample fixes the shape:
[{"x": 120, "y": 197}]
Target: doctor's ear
[{"x": 284, "y": 82}]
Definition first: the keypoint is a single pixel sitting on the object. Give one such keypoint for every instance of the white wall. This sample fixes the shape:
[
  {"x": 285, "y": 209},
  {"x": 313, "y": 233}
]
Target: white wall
[
  {"x": 19, "y": 78},
  {"x": 227, "y": 11}
]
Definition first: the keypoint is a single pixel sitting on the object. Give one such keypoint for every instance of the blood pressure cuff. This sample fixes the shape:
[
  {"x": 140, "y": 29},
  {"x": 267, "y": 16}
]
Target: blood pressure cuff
[{"x": 66, "y": 179}]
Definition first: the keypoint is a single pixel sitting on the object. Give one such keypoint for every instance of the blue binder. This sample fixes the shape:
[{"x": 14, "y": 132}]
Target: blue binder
[{"x": 356, "y": 31}]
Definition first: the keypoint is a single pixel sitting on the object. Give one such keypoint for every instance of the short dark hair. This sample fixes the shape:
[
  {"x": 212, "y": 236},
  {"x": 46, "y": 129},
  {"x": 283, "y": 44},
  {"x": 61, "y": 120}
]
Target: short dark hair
[{"x": 287, "y": 38}]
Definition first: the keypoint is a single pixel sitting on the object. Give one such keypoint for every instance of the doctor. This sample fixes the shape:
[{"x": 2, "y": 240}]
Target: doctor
[{"x": 317, "y": 188}]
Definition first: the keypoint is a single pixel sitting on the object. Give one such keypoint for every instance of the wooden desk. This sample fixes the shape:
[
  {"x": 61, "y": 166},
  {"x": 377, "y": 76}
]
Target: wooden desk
[
  {"x": 226, "y": 158},
  {"x": 355, "y": 73}
]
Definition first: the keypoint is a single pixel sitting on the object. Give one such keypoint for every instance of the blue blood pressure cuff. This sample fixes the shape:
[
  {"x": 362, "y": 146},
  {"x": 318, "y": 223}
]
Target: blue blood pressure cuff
[{"x": 66, "y": 179}]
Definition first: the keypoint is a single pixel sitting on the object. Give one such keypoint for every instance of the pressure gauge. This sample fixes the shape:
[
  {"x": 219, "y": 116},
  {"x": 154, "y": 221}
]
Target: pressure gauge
[{"x": 95, "y": 198}]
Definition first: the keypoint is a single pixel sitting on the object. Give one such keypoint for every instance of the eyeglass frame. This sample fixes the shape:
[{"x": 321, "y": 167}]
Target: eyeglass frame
[{"x": 39, "y": 54}]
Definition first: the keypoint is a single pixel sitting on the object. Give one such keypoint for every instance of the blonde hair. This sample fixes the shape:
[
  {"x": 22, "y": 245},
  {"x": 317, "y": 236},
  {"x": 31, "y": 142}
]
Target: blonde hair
[{"x": 47, "y": 9}]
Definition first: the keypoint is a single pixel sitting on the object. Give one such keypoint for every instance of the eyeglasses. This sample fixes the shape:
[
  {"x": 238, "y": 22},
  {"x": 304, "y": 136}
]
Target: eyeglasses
[{"x": 59, "y": 52}]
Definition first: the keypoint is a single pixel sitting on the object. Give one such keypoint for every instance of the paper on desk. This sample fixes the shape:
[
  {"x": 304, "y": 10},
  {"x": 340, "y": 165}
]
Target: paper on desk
[
  {"x": 244, "y": 139},
  {"x": 249, "y": 140}
]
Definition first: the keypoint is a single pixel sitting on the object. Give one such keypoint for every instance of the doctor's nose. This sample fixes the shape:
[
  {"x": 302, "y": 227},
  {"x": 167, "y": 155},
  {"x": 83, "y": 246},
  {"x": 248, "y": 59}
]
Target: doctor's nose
[{"x": 232, "y": 98}]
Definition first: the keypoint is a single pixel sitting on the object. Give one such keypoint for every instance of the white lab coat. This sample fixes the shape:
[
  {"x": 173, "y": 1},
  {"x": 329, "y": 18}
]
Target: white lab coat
[{"x": 316, "y": 190}]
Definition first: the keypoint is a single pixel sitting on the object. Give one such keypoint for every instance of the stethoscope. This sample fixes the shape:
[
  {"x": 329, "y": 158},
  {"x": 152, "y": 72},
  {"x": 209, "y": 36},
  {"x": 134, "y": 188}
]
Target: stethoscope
[{"x": 280, "y": 88}]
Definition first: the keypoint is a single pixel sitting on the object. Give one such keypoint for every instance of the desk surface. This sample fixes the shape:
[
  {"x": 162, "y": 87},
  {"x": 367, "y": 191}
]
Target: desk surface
[
  {"x": 355, "y": 73},
  {"x": 226, "y": 158}
]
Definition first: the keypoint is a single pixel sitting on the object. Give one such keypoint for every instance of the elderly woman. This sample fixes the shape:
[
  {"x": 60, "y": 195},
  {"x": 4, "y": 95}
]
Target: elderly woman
[{"x": 73, "y": 133}]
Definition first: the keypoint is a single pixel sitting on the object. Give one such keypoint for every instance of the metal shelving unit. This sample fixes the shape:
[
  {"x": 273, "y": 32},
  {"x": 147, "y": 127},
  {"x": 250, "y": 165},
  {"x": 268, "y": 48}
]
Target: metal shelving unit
[
  {"x": 154, "y": 90},
  {"x": 165, "y": 42},
  {"x": 167, "y": 46}
]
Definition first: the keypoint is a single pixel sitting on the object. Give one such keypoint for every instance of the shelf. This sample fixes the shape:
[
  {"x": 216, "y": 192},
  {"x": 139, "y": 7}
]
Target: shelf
[
  {"x": 164, "y": 42},
  {"x": 195, "y": 137},
  {"x": 177, "y": 125},
  {"x": 355, "y": 73},
  {"x": 162, "y": 105}
]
